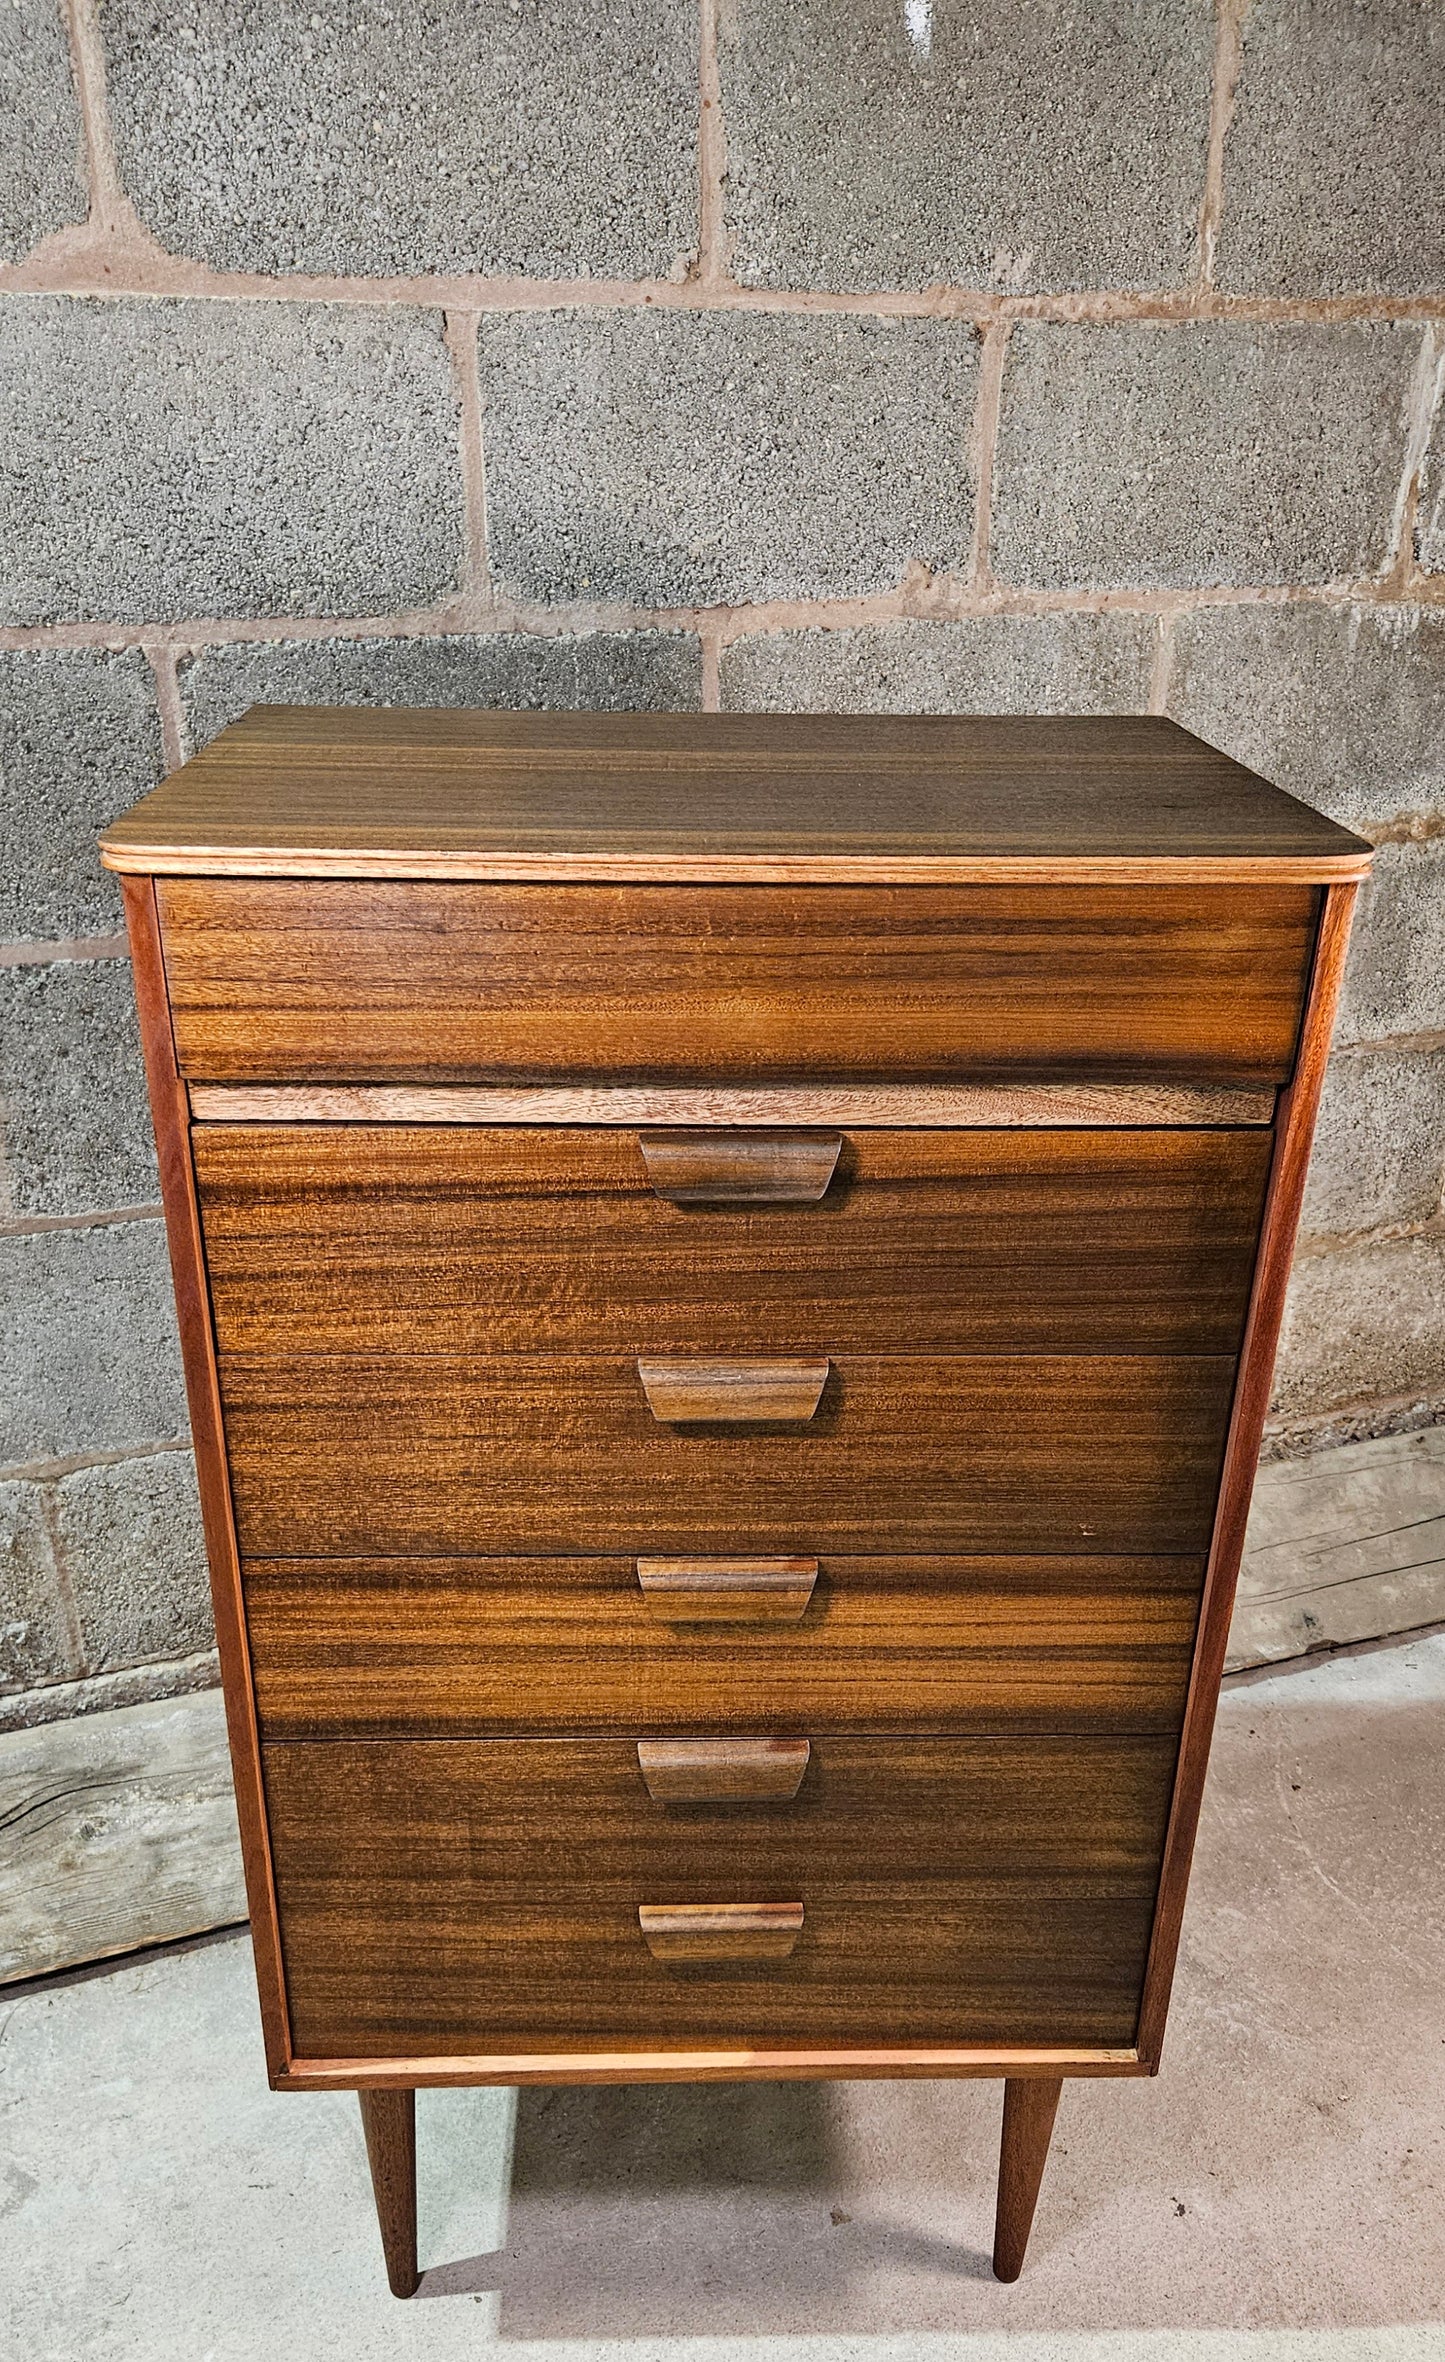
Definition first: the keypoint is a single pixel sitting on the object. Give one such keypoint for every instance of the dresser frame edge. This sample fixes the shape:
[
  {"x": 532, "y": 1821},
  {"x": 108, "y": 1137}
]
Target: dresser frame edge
[
  {"x": 170, "y": 1116},
  {"x": 1295, "y": 1114},
  {"x": 797, "y": 2065}
]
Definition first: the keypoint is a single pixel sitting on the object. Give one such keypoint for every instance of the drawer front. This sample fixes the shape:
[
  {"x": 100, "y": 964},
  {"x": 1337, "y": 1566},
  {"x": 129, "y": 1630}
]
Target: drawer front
[
  {"x": 372, "y": 1239},
  {"x": 446, "y": 1648},
  {"x": 336, "y": 1455},
  {"x": 352, "y": 981},
  {"x": 462, "y": 1896}
]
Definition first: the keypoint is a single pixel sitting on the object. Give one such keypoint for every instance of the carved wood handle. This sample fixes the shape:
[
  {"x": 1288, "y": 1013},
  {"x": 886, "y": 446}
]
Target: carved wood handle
[
  {"x": 723, "y": 1770},
  {"x": 740, "y": 1168},
  {"x": 727, "y": 1590},
  {"x": 681, "y": 1392},
  {"x": 720, "y": 1931}
]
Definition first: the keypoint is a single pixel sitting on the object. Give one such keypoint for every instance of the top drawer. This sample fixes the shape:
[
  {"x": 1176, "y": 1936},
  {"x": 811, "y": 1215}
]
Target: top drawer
[{"x": 350, "y": 980}]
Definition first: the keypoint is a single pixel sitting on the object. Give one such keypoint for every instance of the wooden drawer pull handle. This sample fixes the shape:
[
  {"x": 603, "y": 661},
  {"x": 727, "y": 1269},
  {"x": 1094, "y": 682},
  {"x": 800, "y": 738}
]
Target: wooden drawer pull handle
[
  {"x": 723, "y": 1771},
  {"x": 681, "y": 1392},
  {"x": 727, "y": 1590},
  {"x": 740, "y": 1168},
  {"x": 720, "y": 1931}
]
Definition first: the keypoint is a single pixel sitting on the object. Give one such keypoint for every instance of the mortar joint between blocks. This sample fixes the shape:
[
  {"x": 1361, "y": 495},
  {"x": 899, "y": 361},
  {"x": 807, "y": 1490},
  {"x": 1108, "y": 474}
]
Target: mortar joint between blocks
[
  {"x": 62, "y": 1585},
  {"x": 1230, "y": 17}
]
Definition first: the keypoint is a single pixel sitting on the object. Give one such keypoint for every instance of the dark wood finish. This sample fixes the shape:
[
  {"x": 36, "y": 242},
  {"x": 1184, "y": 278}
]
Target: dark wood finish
[
  {"x": 462, "y": 1896},
  {"x": 727, "y": 1590},
  {"x": 699, "y": 1391},
  {"x": 389, "y": 2122},
  {"x": 332, "y": 790},
  {"x": 452, "y": 1648},
  {"x": 364, "y": 1239},
  {"x": 740, "y": 1168},
  {"x": 1294, "y": 1133},
  {"x": 188, "y": 1277},
  {"x": 1029, "y": 2109},
  {"x": 695, "y": 1932},
  {"x": 680, "y": 1792},
  {"x": 275, "y": 980},
  {"x": 723, "y": 1770},
  {"x": 427, "y": 1455}
]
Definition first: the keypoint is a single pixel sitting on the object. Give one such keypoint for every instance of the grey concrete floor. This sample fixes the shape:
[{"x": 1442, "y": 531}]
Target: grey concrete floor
[{"x": 1275, "y": 2196}]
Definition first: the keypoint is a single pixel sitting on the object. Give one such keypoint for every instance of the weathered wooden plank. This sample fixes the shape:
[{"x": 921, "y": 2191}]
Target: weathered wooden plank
[
  {"x": 119, "y": 1830},
  {"x": 1346, "y": 1545}
]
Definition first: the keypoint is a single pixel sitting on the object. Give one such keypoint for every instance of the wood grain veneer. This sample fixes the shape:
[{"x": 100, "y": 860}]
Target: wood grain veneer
[
  {"x": 976, "y": 1027},
  {"x": 198, "y": 1360},
  {"x": 349, "y": 981},
  {"x": 793, "y": 2062},
  {"x": 429, "y": 1454},
  {"x": 455, "y": 1647},
  {"x": 894, "y": 1104},
  {"x": 459, "y": 1896},
  {"x": 366, "y": 1239},
  {"x": 1293, "y": 1135},
  {"x": 338, "y": 791}
]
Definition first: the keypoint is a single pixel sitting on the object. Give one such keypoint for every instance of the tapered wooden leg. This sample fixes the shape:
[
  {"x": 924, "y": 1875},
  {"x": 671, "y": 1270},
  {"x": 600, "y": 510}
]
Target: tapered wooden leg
[
  {"x": 389, "y": 2121},
  {"x": 1029, "y": 2108}
]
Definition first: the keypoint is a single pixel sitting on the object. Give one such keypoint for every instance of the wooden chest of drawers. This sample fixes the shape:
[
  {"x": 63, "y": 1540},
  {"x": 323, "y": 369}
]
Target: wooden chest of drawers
[{"x": 728, "y": 1270}]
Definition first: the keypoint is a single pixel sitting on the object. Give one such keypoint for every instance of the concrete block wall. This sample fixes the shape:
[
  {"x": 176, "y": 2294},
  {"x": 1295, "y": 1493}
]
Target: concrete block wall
[{"x": 748, "y": 353}]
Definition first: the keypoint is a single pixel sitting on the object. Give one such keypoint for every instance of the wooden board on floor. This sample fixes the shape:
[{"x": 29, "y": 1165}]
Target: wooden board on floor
[
  {"x": 1345, "y": 1545},
  {"x": 120, "y": 1831}
]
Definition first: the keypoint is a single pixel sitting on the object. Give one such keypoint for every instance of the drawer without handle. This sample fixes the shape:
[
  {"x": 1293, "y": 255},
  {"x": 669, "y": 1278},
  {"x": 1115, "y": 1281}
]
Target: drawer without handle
[
  {"x": 350, "y": 980},
  {"x": 449, "y": 1898},
  {"x": 452, "y": 1647},
  {"x": 350, "y": 1238}
]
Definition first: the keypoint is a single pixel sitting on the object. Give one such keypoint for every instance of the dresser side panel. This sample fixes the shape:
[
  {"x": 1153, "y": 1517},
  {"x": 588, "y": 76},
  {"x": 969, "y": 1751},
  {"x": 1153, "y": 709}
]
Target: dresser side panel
[
  {"x": 1294, "y": 1133},
  {"x": 170, "y": 1116}
]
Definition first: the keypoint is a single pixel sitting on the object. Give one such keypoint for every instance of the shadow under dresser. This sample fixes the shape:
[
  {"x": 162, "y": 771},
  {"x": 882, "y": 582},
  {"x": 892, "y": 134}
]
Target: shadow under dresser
[{"x": 729, "y": 1269}]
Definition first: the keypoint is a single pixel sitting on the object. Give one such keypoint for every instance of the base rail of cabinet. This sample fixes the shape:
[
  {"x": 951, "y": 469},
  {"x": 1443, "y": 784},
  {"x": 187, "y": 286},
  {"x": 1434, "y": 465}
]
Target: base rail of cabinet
[{"x": 701, "y": 2066}]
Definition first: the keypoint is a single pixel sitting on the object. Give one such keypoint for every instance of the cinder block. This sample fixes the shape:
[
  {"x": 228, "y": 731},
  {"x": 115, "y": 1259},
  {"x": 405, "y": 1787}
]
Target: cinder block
[
  {"x": 622, "y": 672},
  {"x": 1341, "y": 705},
  {"x": 1036, "y": 146},
  {"x": 1379, "y": 1151},
  {"x": 79, "y": 741},
  {"x": 547, "y": 139},
  {"x": 681, "y": 458},
  {"x": 1363, "y": 1323},
  {"x": 42, "y": 154},
  {"x": 988, "y": 664},
  {"x": 35, "y": 1645},
  {"x": 91, "y": 1358},
  {"x": 77, "y": 1127},
  {"x": 1334, "y": 167},
  {"x": 167, "y": 459},
  {"x": 1395, "y": 975},
  {"x": 131, "y": 1535},
  {"x": 1199, "y": 452}
]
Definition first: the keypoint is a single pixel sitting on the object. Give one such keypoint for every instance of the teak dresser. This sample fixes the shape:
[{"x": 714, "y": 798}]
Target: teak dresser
[{"x": 728, "y": 1270}]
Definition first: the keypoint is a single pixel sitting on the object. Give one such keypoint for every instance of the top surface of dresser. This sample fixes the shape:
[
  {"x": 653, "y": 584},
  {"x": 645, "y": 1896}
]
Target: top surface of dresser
[{"x": 749, "y": 798}]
